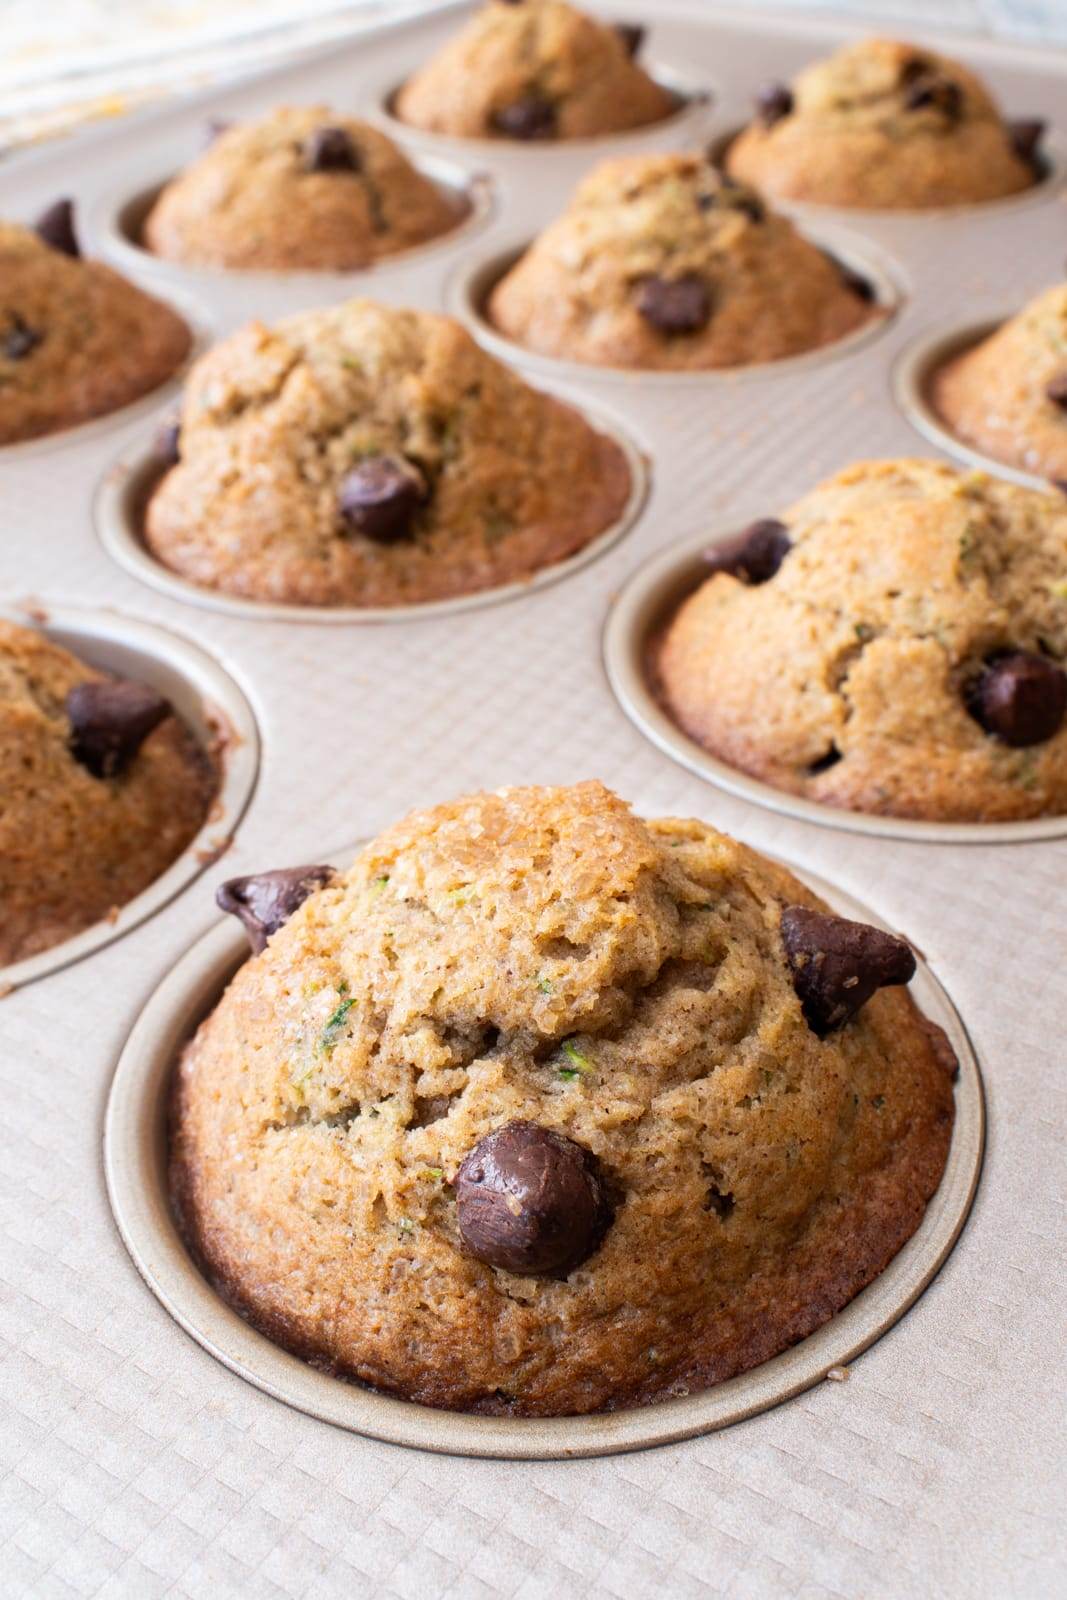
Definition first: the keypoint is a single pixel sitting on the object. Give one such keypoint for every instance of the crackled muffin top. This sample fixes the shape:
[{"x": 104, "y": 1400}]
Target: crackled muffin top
[
  {"x": 534, "y": 69},
  {"x": 538, "y": 1109},
  {"x": 895, "y": 643},
  {"x": 661, "y": 262},
  {"x": 366, "y": 456},
  {"x": 76, "y": 340},
  {"x": 102, "y": 788},
  {"x": 302, "y": 188},
  {"x": 1008, "y": 395},
  {"x": 884, "y": 125}
]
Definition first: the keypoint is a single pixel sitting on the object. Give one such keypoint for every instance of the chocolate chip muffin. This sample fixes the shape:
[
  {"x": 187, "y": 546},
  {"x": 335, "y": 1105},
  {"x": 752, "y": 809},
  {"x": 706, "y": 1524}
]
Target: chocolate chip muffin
[
  {"x": 1007, "y": 396},
  {"x": 302, "y": 189},
  {"x": 103, "y": 787},
  {"x": 887, "y": 126},
  {"x": 895, "y": 643},
  {"x": 534, "y": 70},
  {"x": 76, "y": 340},
  {"x": 542, "y": 1109},
  {"x": 367, "y": 456},
  {"x": 661, "y": 262}
]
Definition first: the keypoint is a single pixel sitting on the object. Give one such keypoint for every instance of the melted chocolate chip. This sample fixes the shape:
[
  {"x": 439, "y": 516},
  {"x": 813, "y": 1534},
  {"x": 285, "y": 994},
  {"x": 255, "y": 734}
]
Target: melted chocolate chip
[
  {"x": 1056, "y": 390},
  {"x": 531, "y": 1201},
  {"x": 56, "y": 228},
  {"x": 168, "y": 443},
  {"x": 330, "y": 150},
  {"x": 110, "y": 721},
  {"x": 380, "y": 498},
  {"x": 632, "y": 35},
  {"x": 267, "y": 899},
  {"x": 1019, "y": 698},
  {"x": 837, "y": 965},
  {"x": 753, "y": 555},
  {"x": 20, "y": 340},
  {"x": 773, "y": 102},
  {"x": 1026, "y": 133},
  {"x": 931, "y": 89},
  {"x": 531, "y": 117},
  {"x": 675, "y": 306}
]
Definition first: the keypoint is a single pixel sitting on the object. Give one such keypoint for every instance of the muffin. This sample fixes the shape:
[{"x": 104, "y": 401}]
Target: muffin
[
  {"x": 895, "y": 643},
  {"x": 367, "y": 456},
  {"x": 76, "y": 340},
  {"x": 661, "y": 262},
  {"x": 534, "y": 69},
  {"x": 103, "y": 788},
  {"x": 543, "y": 1109},
  {"x": 302, "y": 189},
  {"x": 885, "y": 125},
  {"x": 1007, "y": 396}
]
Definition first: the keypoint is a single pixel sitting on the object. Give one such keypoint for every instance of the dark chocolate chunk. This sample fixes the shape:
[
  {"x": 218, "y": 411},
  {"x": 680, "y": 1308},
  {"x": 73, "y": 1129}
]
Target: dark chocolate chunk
[
  {"x": 330, "y": 150},
  {"x": 753, "y": 555},
  {"x": 531, "y": 117},
  {"x": 773, "y": 102},
  {"x": 531, "y": 1201},
  {"x": 1056, "y": 390},
  {"x": 168, "y": 442},
  {"x": 19, "y": 339},
  {"x": 1019, "y": 698},
  {"x": 675, "y": 306},
  {"x": 267, "y": 899},
  {"x": 632, "y": 35},
  {"x": 823, "y": 763},
  {"x": 1026, "y": 133},
  {"x": 56, "y": 227},
  {"x": 109, "y": 722},
  {"x": 837, "y": 965},
  {"x": 380, "y": 497},
  {"x": 933, "y": 90}
]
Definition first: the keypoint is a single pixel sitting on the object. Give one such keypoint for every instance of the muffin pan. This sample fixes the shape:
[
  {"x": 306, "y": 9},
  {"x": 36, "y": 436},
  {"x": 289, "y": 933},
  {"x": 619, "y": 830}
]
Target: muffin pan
[{"x": 360, "y": 724}]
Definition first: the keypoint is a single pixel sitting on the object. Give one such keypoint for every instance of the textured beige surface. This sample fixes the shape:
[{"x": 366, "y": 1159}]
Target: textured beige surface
[{"x": 136, "y": 1466}]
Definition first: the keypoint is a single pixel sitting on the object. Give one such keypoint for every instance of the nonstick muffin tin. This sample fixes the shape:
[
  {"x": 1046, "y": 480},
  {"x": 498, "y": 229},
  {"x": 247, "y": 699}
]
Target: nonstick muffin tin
[{"x": 358, "y": 724}]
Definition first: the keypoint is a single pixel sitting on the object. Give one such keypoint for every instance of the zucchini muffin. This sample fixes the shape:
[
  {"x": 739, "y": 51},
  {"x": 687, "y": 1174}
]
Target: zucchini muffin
[
  {"x": 885, "y": 125},
  {"x": 895, "y": 643},
  {"x": 367, "y": 456},
  {"x": 543, "y": 1109},
  {"x": 661, "y": 262},
  {"x": 102, "y": 789},
  {"x": 76, "y": 340},
  {"x": 1007, "y": 396},
  {"x": 302, "y": 189},
  {"x": 534, "y": 70}
]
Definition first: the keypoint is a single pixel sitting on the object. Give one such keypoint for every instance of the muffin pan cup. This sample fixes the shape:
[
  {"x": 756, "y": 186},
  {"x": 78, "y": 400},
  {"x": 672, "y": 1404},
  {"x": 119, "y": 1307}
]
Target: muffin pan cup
[
  {"x": 135, "y": 1160},
  {"x": 214, "y": 709}
]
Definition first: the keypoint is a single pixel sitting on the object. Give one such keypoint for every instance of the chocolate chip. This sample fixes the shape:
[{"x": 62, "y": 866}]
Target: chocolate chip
[
  {"x": 1026, "y": 133},
  {"x": 20, "y": 340},
  {"x": 168, "y": 443},
  {"x": 330, "y": 150},
  {"x": 1019, "y": 698},
  {"x": 380, "y": 498},
  {"x": 837, "y": 965},
  {"x": 531, "y": 117},
  {"x": 109, "y": 722},
  {"x": 56, "y": 228},
  {"x": 1056, "y": 390},
  {"x": 773, "y": 102},
  {"x": 737, "y": 198},
  {"x": 675, "y": 305},
  {"x": 931, "y": 89},
  {"x": 530, "y": 1200},
  {"x": 632, "y": 35},
  {"x": 753, "y": 555},
  {"x": 857, "y": 284},
  {"x": 267, "y": 899},
  {"x": 823, "y": 763}
]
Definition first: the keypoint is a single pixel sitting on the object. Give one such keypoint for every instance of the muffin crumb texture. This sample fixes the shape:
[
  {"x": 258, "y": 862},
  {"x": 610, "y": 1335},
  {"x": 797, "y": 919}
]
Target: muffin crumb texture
[
  {"x": 902, "y": 652},
  {"x": 522, "y": 1113},
  {"x": 884, "y": 125},
  {"x": 539, "y": 70}
]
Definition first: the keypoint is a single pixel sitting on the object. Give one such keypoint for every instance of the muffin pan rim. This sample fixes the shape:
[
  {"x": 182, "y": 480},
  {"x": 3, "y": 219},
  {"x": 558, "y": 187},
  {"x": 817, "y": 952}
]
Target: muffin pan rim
[
  {"x": 646, "y": 597},
  {"x": 134, "y": 1159},
  {"x": 469, "y": 284},
  {"x": 128, "y": 477},
  {"x": 95, "y": 635}
]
